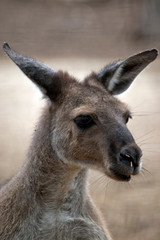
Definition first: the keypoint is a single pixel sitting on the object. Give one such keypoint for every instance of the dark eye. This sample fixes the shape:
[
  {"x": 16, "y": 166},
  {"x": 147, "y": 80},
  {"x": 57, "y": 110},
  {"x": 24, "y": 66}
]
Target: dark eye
[
  {"x": 128, "y": 117},
  {"x": 84, "y": 121}
]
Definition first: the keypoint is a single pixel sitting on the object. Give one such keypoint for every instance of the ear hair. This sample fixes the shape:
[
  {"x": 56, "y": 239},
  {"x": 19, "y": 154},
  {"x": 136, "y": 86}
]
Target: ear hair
[
  {"x": 118, "y": 76},
  {"x": 48, "y": 80}
]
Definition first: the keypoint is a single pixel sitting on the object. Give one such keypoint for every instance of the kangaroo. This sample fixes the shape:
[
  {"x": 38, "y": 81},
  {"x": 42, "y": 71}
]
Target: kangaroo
[{"x": 83, "y": 126}]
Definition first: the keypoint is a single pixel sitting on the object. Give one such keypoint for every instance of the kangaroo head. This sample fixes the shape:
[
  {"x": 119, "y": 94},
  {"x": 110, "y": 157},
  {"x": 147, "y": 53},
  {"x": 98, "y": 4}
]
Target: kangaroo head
[{"x": 89, "y": 124}]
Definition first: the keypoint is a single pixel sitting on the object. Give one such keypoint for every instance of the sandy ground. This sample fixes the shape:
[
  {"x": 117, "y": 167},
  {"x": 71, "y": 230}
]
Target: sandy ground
[{"x": 132, "y": 210}]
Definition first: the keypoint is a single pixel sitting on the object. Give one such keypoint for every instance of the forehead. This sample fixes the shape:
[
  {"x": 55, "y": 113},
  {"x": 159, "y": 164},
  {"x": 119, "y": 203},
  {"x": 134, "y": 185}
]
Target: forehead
[{"x": 87, "y": 99}]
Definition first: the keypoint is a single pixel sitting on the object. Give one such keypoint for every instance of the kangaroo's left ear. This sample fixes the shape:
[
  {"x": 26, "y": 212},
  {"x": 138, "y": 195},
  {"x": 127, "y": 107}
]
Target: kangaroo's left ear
[
  {"x": 118, "y": 76},
  {"x": 47, "y": 79}
]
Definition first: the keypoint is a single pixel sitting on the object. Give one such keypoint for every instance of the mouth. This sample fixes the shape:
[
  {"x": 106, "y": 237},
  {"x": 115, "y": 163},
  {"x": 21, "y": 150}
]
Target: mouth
[
  {"x": 116, "y": 175},
  {"x": 123, "y": 170},
  {"x": 124, "y": 164}
]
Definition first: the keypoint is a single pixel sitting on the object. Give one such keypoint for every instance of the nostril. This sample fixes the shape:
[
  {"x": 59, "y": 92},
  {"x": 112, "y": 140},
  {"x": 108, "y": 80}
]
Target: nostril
[
  {"x": 130, "y": 156},
  {"x": 126, "y": 158}
]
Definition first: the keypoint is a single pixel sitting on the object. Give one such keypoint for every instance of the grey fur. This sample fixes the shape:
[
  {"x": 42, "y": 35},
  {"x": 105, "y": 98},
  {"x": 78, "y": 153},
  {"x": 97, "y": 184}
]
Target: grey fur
[{"x": 48, "y": 198}]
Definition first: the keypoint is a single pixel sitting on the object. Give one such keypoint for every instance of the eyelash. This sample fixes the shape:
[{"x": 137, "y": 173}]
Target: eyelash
[{"x": 129, "y": 116}]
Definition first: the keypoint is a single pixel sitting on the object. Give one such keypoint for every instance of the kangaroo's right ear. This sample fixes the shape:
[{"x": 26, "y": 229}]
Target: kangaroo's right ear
[{"x": 43, "y": 76}]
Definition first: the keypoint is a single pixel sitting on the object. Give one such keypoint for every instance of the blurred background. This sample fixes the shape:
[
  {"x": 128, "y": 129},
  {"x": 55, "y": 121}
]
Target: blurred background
[{"x": 80, "y": 36}]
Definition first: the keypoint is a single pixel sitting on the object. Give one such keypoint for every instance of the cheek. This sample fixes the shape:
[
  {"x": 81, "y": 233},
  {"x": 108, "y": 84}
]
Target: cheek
[
  {"x": 60, "y": 143},
  {"x": 80, "y": 148},
  {"x": 86, "y": 151}
]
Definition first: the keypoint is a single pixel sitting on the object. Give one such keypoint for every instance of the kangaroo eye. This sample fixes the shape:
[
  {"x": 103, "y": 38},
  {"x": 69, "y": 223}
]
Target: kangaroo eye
[
  {"x": 84, "y": 121},
  {"x": 128, "y": 117}
]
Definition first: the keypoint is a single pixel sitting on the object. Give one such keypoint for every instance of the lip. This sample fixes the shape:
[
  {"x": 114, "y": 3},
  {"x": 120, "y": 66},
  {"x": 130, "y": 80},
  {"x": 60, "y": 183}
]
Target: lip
[
  {"x": 116, "y": 175},
  {"x": 121, "y": 172}
]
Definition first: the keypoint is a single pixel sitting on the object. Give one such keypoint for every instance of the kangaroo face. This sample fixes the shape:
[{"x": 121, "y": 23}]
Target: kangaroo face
[
  {"x": 88, "y": 127},
  {"x": 91, "y": 131}
]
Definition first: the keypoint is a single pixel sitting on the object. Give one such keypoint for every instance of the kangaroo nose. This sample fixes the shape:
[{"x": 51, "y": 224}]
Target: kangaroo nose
[{"x": 130, "y": 156}]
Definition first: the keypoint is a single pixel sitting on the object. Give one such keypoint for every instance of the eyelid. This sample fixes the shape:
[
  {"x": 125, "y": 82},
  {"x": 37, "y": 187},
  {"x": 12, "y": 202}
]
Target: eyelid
[
  {"x": 127, "y": 116},
  {"x": 84, "y": 123},
  {"x": 91, "y": 114},
  {"x": 83, "y": 110},
  {"x": 130, "y": 115}
]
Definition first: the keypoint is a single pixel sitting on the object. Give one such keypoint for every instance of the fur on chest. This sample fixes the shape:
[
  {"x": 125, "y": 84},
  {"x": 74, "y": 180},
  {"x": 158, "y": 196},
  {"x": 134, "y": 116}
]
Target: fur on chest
[{"x": 63, "y": 226}]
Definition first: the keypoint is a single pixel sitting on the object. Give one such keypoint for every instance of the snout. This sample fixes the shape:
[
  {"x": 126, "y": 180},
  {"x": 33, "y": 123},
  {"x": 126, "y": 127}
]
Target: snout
[
  {"x": 128, "y": 162},
  {"x": 130, "y": 158}
]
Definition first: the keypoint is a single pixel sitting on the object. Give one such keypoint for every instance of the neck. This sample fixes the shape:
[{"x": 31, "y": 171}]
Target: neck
[
  {"x": 48, "y": 192},
  {"x": 46, "y": 175}
]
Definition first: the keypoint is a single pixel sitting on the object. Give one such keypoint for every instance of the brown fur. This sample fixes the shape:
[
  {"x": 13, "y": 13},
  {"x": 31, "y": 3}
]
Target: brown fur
[{"x": 48, "y": 198}]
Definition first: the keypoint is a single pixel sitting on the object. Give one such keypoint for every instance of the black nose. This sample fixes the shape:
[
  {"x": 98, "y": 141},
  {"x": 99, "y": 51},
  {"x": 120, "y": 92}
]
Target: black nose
[{"x": 130, "y": 156}]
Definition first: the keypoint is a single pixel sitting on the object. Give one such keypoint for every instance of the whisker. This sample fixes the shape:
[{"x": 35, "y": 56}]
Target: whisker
[
  {"x": 141, "y": 114},
  {"x": 143, "y": 142},
  {"x": 99, "y": 181},
  {"x": 149, "y": 143},
  {"x": 144, "y": 170},
  {"x": 106, "y": 184},
  {"x": 143, "y": 175},
  {"x": 144, "y": 113},
  {"x": 139, "y": 105},
  {"x": 150, "y": 151},
  {"x": 146, "y": 134},
  {"x": 144, "y": 158}
]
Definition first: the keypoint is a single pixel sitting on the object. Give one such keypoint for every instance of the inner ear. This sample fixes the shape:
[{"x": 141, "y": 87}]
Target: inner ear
[{"x": 117, "y": 77}]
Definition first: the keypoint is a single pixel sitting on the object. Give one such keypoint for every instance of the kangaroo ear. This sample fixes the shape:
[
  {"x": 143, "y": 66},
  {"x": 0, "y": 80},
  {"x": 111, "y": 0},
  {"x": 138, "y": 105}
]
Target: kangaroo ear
[
  {"x": 43, "y": 76},
  {"x": 117, "y": 77}
]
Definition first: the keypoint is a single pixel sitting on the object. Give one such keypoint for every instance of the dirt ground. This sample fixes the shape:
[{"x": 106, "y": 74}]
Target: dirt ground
[{"x": 80, "y": 36}]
